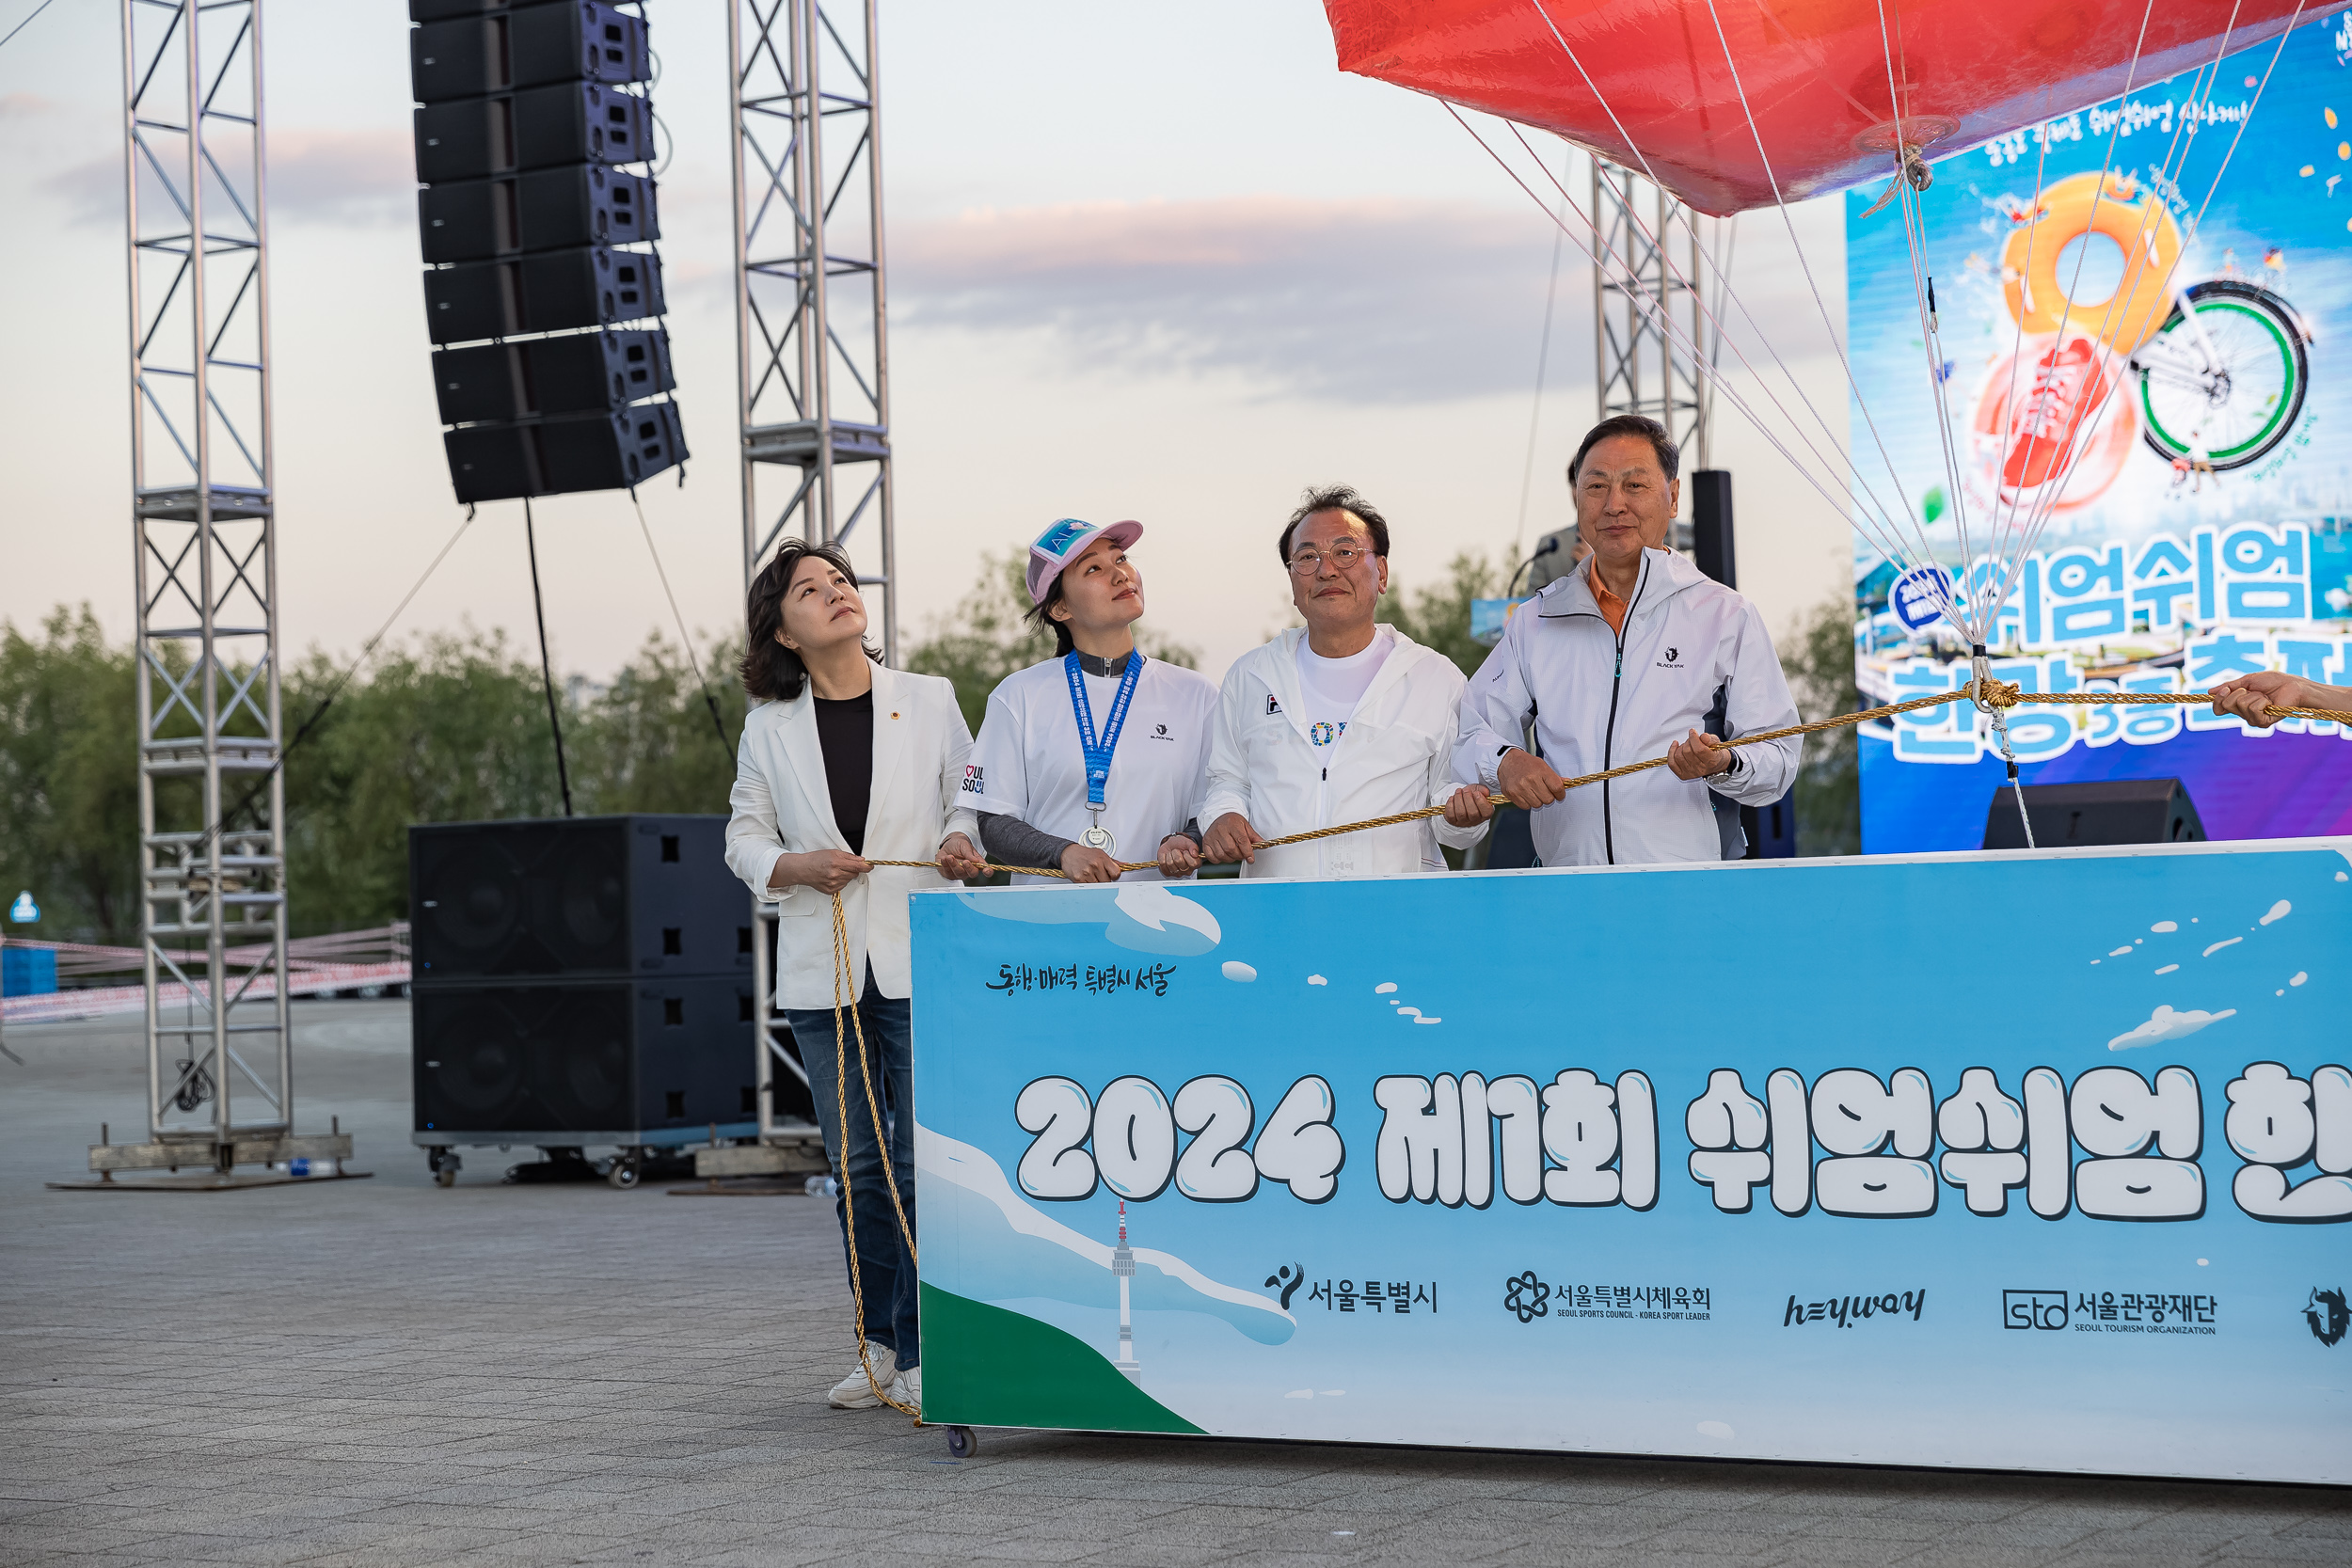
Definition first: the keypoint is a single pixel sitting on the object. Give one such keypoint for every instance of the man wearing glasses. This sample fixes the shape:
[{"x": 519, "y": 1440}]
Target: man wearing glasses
[{"x": 1338, "y": 721}]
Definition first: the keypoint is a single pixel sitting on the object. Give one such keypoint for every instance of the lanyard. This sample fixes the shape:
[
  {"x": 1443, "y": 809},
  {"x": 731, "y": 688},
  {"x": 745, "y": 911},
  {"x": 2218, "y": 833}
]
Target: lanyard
[{"x": 1098, "y": 753}]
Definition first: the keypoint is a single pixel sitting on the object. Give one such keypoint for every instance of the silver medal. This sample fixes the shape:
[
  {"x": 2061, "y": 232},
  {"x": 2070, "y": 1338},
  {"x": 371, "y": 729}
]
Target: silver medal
[{"x": 1096, "y": 837}]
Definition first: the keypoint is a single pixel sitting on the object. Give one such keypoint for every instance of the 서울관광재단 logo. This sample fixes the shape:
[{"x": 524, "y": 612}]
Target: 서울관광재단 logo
[
  {"x": 2329, "y": 1315},
  {"x": 2044, "y": 1309}
]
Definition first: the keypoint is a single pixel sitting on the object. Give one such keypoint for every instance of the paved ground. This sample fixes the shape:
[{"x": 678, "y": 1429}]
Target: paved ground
[{"x": 384, "y": 1373}]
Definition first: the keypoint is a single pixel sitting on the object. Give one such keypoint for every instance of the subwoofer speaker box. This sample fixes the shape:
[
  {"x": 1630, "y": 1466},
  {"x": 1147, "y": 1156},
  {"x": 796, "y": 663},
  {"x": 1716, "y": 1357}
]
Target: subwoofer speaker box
[
  {"x": 624, "y": 898},
  {"x": 564, "y": 454},
  {"x": 582, "y": 1058},
  {"x": 587, "y": 371},
  {"x": 554, "y": 292},
  {"x": 572, "y": 122},
  {"x": 2102, "y": 810}
]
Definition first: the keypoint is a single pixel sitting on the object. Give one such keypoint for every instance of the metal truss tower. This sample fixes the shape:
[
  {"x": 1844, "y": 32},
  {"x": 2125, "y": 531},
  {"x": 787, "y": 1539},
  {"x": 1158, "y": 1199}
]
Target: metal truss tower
[
  {"x": 812, "y": 349},
  {"x": 212, "y": 802},
  {"x": 1637, "y": 366}
]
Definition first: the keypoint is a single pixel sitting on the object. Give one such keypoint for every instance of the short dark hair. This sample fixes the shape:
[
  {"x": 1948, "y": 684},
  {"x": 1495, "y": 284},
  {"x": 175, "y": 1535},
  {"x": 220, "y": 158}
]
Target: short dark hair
[
  {"x": 771, "y": 670},
  {"x": 1064, "y": 644},
  {"x": 1669, "y": 455},
  {"x": 1336, "y": 497}
]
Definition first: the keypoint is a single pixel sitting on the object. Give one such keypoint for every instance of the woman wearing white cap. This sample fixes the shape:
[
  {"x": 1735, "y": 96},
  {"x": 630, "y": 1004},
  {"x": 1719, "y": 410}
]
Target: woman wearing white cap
[{"x": 1099, "y": 754}]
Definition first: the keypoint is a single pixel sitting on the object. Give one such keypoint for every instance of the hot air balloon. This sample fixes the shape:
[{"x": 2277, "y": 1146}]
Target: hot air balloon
[{"x": 1732, "y": 105}]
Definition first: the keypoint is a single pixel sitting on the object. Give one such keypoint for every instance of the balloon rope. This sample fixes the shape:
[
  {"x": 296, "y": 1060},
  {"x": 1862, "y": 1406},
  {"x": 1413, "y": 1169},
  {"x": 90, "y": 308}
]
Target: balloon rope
[{"x": 1994, "y": 696}]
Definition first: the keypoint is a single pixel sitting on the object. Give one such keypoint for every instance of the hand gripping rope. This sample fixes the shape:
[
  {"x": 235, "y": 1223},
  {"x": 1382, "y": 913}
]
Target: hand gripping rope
[{"x": 1991, "y": 696}]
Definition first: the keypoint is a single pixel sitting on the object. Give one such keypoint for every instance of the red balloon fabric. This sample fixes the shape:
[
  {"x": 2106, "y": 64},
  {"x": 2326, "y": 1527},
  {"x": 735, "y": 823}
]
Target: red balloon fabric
[{"x": 1815, "y": 72}]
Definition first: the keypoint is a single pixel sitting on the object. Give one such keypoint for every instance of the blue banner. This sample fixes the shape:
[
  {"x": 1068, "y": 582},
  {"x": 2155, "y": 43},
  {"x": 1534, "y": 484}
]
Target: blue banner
[{"x": 2024, "y": 1161}]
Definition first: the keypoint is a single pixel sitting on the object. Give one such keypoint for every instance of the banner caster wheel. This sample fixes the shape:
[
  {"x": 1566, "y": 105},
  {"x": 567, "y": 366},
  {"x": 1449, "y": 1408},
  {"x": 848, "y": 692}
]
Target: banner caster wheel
[
  {"x": 622, "y": 1173},
  {"x": 445, "y": 1178},
  {"x": 961, "y": 1443}
]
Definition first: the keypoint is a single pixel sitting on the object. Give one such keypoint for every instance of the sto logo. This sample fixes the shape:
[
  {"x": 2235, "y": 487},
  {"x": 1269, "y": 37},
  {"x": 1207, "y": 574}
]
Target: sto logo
[{"x": 2329, "y": 1315}]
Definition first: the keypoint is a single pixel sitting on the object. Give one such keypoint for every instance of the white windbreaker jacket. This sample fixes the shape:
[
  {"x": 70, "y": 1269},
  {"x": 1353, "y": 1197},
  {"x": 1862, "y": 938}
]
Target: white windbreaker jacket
[
  {"x": 784, "y": 806},
  {"x": 1599, "y": 700},
  {"x": 1397, "y": 754}
]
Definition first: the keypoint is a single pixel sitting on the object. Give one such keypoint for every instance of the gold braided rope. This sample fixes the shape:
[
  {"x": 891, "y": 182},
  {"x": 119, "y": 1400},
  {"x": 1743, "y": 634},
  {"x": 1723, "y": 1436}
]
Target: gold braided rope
[
  {"x": 1999, "y": 695},
  {"x": 882, "y": 1142},
  {"x": 1994, "y": 696}
]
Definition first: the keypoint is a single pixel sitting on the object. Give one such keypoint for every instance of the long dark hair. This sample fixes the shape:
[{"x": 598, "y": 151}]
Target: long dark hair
[
  {"x": 770, "y": 669},
  {"x": 1038, "y": 616}
]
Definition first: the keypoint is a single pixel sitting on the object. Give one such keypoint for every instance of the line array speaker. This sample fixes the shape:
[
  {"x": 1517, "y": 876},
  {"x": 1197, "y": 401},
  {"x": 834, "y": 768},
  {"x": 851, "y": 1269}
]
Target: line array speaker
[
  {"x": 526, "y": 46},
  {"x": 598, "y": 371},
  {"x": 563, "y": 452},
  {"x": 548, "y": 208},
  {"x": 572, "y": 122},
  {"x": 527, "y": 125},
  {"x": 553, "y": 291}
]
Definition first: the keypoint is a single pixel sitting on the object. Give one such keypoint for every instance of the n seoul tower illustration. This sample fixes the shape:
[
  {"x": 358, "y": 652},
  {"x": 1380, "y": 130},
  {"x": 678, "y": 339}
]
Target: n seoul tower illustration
[{"x": 1123, "y": 1265}]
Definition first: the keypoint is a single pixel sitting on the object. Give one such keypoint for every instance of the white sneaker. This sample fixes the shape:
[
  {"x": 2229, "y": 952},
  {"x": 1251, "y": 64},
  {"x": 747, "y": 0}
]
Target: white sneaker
[
  {"x": 907, "y": 1387},
  {"x": 854, "y": 1392}
]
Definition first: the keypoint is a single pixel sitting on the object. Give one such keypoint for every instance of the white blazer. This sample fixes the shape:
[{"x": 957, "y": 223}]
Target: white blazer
[{"x": 783, "y": 806}]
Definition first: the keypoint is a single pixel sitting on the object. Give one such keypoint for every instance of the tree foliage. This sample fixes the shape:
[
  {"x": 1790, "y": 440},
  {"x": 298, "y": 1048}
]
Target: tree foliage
[
  {"x": 446, "y": 728},
  {"x": 1437, "y": 615},
  {"x": 1819, "y": 664}
]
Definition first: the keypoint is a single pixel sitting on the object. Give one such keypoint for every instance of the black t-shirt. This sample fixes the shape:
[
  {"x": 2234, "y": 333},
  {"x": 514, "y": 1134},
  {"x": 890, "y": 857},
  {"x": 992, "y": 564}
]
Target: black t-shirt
[{"x": 845, "y": 732}]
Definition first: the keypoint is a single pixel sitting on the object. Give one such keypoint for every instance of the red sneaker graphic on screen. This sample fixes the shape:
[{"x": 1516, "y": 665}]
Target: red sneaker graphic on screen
[{"x": 2070, "y": 385}]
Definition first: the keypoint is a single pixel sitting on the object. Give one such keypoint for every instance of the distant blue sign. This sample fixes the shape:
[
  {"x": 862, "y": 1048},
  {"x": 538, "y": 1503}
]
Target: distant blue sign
[
  {"x": 1488, "y": 617},
  {"x": 25, "y": 911},
  {"x": 1919, "y": 596}
]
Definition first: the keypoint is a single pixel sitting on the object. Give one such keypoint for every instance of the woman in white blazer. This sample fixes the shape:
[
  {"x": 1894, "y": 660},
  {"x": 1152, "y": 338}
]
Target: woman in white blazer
[{"x": 842, "y": 759}]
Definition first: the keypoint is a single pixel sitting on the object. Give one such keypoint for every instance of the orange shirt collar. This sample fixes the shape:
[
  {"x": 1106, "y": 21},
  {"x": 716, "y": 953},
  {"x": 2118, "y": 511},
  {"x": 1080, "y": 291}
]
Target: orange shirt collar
[{"x": 1611, "y": 606}]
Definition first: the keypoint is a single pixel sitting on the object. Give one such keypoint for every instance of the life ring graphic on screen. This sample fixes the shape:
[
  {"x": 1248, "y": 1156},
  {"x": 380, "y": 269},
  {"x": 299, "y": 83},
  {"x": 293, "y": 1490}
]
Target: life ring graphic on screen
[{"x": 2042, "y": 262}]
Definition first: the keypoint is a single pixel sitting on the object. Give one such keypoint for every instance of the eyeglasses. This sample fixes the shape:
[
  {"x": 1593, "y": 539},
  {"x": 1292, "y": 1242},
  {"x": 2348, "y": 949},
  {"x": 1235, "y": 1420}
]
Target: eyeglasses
[{"x": 1307, "y": 563}]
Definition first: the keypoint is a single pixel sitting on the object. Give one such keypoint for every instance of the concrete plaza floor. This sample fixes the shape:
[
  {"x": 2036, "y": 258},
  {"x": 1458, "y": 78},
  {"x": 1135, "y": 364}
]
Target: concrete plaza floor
[{"x": 384, "y": 1373}]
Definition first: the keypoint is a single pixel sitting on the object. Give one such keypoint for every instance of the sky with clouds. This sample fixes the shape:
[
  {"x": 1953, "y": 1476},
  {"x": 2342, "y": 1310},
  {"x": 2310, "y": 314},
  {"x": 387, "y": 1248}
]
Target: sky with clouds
[{"x": 1151, "y": 260}]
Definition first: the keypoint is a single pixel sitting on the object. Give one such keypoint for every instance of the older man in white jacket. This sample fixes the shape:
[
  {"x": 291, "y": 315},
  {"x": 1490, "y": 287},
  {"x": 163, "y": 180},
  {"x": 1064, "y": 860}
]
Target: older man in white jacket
[
  {"x": 1632, "y": 655},
  {"x": 1337, "y": 722}
]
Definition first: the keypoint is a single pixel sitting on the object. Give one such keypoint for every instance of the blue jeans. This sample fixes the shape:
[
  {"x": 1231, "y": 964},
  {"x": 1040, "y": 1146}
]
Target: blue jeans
[{"x": 884, "y": 1270}]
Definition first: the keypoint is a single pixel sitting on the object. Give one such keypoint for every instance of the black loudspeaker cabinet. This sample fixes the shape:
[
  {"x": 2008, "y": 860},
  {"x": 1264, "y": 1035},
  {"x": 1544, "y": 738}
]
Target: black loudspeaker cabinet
[
  {"x": 563, "y": 454},
  {"x": 2101, "y": 811},
  {"x": 549, "y": 209},
  {"x": 555, "y": 291},
  {"x": 572, "y": 122},
  {"x": 570, "y": 40},
  {"x": 589, "y": 371},
  {"x": 591, "y": 1061},
  {"x": 578, "y": 898}
]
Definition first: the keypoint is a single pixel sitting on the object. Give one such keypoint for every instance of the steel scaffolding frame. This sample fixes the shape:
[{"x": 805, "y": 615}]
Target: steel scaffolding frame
[
  {"x": 211, "y": 802},
  {"x": 812, "y": 351},
  {"x": 1637, "y": 369}
]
